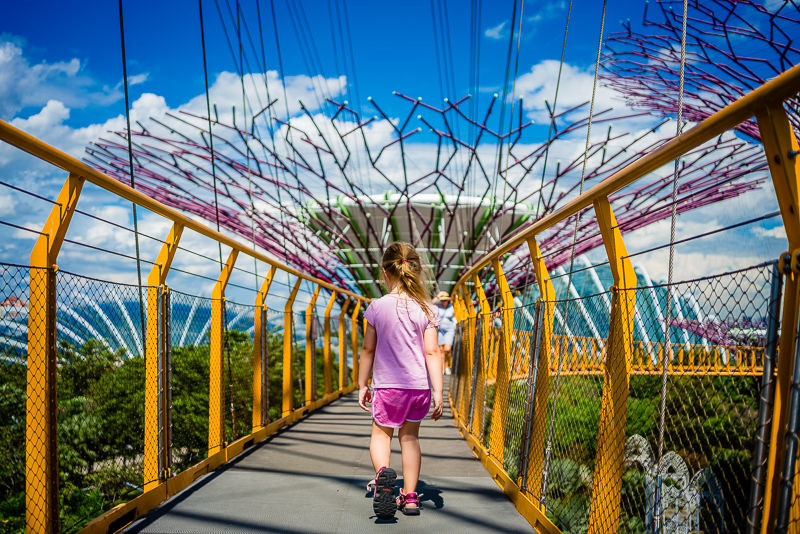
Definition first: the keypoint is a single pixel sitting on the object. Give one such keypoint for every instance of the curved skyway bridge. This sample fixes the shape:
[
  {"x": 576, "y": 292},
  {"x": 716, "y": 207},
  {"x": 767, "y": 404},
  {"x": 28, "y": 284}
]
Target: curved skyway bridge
[{"x": 583, "y": 396}]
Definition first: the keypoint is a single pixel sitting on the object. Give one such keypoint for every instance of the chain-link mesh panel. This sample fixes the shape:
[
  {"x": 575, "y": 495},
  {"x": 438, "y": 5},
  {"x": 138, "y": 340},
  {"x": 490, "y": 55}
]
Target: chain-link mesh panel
[
  {"x": 317, "y": 364},
  {"x": 711, "y": 391},
  {"x": 298, "y": 359},
  {"x": 568, "y": 436},
  {"x": 190, "y": 321},
  {"x": 13, "y": 355},
  {"x": 238, "y": 369},
  {"x": 522, "y": 339},
  {"x": 491, "y": 332},
  {"x": 718, "y": 329},
  {"x": 101, "y": 396},
  {"x": 715, "y": 354},
  {"x": 275, "y": 362}
]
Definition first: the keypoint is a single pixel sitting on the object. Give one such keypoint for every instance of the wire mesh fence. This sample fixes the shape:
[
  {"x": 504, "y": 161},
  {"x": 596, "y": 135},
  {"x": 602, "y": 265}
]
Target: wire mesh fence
[
  {"x": 189, "y": 326},
  {"x": 238, "y": 369},
  {"x": 692, "y": 472},
  {"x": 711, "y": 333},
  {"x": 275, "y": 333},
  {"x": 568, "y": 437},
  {"x": 101, "y": 396},
  {"x": 14, "y": 291},
  {"x": 100, "y": 347}
]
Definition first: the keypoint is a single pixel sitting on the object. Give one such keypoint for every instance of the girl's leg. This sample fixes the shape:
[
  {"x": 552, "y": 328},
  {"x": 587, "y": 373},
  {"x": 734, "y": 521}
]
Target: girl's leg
[
  {"x": 380, "y": 445},
  {"x": 412, "y": 457}
]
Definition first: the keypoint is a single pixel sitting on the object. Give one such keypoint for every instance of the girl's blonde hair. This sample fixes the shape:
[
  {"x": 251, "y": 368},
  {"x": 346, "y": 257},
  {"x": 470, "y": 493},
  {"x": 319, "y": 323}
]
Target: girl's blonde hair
[{"x": 403, "y": 263}]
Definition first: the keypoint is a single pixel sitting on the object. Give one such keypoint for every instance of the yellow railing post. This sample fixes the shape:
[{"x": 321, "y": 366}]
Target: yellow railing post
[
  {"x": 260, "y": 355},
  {"x": 354, "y": 340},
  {"x": 539, "y": 415},
  {"x": 779, "y": 144},
  {"x": 41, "y": 454},
  {"x": 155, "y": 393},
  {"x": 479, "y": 394},
  {"x": 607, "y": 481},
  {"x": 343, "y": 345},
  {"x": 459, "y": 310},
  {"x": 288, "y": 322},
  {"x": 469, "y": 343},
  {"x": 310, "y": 392},
  {"x": 216, "y": 396},
  {"x": 500, "y": 408},
  {"x": 326, "y": 345}
]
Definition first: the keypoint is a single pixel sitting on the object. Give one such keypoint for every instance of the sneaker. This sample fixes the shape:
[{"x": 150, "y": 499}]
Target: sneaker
[
  {"x": 408, "y": 498},
  {"x": 383, "y": 501}
]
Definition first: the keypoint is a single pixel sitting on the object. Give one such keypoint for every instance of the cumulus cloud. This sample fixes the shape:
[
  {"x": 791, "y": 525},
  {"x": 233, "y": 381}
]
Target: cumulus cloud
[
  {"x": 539, "y": 84},
  {"x": 38, "y": 99},
  {"x": 31, "y": 85}
]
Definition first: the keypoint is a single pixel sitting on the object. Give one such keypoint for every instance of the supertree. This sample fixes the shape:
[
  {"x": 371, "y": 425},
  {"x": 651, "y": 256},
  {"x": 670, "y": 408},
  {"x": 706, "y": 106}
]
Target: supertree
[
  {"x": 327, "y": 191},
  {"x": 732, "y": 47}
]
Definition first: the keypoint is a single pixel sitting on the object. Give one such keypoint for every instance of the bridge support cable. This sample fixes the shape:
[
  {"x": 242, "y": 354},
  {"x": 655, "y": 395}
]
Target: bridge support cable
[
  {"x": 535, "y": 466},
  {"x": 212, "y": 152},
  {"x": 130, "y": 164},
  {"x": 548, "y": 447},
  {"x": 667, "y": 345}
]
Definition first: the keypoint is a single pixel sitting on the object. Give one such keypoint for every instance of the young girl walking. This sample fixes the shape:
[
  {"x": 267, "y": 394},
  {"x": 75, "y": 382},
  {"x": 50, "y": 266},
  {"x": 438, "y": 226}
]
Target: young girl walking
[{"x": 401, "y": 352}]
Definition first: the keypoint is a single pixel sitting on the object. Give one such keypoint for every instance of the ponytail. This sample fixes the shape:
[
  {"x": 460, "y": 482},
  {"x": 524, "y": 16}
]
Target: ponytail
[{"x": 402, "y": 262}]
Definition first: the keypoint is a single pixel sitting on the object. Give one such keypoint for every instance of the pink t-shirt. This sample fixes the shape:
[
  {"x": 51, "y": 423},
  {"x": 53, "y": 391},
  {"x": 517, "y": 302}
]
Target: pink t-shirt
[{"x": 400, "y": 353}]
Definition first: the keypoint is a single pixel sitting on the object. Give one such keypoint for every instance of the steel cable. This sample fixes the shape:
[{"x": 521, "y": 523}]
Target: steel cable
[
  {"x": 667, "y": 352},
  {"x": 572, "y": 254},
  {"x": 130, "y": 164}
]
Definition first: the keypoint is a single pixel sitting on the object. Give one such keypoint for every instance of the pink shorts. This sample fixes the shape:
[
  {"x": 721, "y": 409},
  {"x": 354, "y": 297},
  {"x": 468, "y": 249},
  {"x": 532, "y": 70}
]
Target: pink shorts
[{"x": 393, "y": 406}]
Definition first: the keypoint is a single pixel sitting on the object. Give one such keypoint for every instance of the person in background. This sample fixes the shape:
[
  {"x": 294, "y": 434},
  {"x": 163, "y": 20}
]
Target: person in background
[{"x": 447, "y": 327}]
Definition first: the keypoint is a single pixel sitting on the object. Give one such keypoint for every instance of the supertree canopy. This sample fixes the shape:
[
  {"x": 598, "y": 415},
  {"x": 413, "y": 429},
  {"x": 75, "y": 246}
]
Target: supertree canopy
[
  {"x": 732, "y": 47},
  {"x": 331, "y": 191},
  {"x": 326, "y": 190}
]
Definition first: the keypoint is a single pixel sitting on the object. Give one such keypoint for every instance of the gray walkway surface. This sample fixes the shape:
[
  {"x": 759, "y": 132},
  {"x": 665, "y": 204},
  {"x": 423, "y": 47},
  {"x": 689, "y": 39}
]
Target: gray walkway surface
[{"x": 311, "y": 477}]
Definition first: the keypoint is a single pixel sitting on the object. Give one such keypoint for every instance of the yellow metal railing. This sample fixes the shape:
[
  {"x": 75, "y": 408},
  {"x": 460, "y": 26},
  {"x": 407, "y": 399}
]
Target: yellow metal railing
[
  {"x": 42, "y": 474},
  {"x": 620, "y": 355},
  {"x": 587, "y": 356}
]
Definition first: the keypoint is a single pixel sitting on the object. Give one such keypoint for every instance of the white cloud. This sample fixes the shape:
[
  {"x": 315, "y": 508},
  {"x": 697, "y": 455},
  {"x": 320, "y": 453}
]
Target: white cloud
[
  {"x": 138, "y": 78},
  {"x": 539, "y": 84},
  {"x": 27, "y": 85},
  {"x": 497, "y": 32},
  {"x": 775, "y": 233},
  {"x": 7, "y": 205}
]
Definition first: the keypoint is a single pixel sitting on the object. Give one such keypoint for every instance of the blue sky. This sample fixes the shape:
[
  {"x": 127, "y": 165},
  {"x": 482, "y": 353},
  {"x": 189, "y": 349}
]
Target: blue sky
[{"x": 62, "y": 77}]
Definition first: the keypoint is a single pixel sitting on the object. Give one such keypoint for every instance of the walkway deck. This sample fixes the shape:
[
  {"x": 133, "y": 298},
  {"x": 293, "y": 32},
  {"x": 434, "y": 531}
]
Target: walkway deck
[{"x": 311, "y": 476}]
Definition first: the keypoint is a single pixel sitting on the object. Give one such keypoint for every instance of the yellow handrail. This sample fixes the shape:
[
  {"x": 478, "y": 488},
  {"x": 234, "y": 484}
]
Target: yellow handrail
[{"x": 24, "y": 141}]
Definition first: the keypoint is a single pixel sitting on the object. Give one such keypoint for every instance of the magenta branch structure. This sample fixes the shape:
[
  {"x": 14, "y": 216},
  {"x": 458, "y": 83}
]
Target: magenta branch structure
[
  {"x": 326, "y": 191},
  {"x": 732, "y": 47}
]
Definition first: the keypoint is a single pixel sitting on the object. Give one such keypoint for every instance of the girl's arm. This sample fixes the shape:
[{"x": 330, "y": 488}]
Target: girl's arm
[
  {"x": 365, "y": 366},
  {"x": 433, "y": 361}
]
